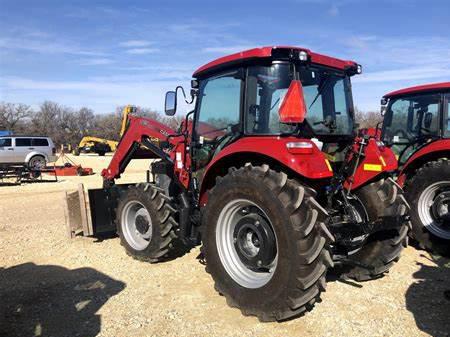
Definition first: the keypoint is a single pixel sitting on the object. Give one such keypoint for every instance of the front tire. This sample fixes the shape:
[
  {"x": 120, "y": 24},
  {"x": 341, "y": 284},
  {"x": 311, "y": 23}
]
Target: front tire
[
  {"x": 428, "y": 192},
  {"x": 383, "y": 198},
  {"x": 283, "y": 275},
  {"x": 146, "y": 223}
]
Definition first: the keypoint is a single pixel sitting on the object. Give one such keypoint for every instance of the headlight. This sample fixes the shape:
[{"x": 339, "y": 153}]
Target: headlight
[
  {"x": 303, "y": 56},
  {"x": 359, "y": 69}
]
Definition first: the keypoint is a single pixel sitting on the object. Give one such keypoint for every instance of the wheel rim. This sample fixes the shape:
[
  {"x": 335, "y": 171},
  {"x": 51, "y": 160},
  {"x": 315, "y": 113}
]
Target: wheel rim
[
  {"x": 246, "y": 243},
  {"x": 434, "y": 207},
  {"x": 37, "y": 163},
  {"x": 136, "y": 225}
]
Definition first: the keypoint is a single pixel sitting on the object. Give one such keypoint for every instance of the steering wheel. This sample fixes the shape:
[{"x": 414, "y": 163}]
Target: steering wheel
[{"x": 403, "y": 134}]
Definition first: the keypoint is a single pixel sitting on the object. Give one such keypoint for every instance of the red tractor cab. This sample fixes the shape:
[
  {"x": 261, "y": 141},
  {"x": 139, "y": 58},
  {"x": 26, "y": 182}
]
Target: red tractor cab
[
  {"x": 417, "y": 127},
  {"x": 269, "y": 175}
]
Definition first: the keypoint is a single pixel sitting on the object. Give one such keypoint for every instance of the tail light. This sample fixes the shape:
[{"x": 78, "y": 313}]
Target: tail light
[{"x": 299, "y": 147}]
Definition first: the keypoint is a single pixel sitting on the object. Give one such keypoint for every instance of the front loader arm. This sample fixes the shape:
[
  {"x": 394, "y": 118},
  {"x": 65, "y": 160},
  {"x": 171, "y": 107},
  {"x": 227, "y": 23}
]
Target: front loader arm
[{"x": 140, "y": 131}]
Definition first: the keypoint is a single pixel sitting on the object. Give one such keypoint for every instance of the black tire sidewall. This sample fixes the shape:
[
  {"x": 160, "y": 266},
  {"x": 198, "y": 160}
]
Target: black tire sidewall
[
  {"x": 35, "y": 157},
  {"x": 262, "y": 196},
  {"x": 133, "y": 194},
  {"x": 429, "y": 174}
]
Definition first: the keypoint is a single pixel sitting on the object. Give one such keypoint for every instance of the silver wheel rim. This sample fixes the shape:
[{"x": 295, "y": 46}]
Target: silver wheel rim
[
  {"x": 425, "y": 203},
  {"x": 228, "y": 218},
  {"x": 133, "y": 213},
  {"x": 37, "y": 163}
]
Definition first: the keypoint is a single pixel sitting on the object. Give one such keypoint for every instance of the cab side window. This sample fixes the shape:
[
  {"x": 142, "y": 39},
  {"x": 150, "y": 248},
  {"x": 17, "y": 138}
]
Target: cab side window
[
  {"x": 219, "y": 106},
  {"x": 447, "y": 116}
]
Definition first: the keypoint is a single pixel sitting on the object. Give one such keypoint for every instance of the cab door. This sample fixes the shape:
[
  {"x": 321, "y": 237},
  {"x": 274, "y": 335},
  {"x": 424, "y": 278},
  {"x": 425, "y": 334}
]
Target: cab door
[
  {"x": 446, "y": 116},
  {"x": 6, "y": 150},
  {"x": 218, "y": 115}
]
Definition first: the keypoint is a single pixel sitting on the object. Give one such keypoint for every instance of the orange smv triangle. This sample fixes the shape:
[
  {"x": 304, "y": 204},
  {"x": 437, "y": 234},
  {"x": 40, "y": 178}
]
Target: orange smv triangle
[{"x": 293, "y": 108}]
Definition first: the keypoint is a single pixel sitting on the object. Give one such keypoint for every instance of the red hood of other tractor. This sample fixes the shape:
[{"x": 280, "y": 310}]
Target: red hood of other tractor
[{"x": 419, "y": 89}]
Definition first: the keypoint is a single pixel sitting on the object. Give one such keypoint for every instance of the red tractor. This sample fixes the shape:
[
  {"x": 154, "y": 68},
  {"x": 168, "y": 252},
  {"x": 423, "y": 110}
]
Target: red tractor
[
  {"x": 417, "y": 126},
  {"x": 268, "y": 174}
]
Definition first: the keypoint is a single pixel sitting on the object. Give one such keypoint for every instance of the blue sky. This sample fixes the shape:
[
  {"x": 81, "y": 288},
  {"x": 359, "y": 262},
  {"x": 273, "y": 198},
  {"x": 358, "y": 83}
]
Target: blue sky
[{"x": 105, "y": 54}]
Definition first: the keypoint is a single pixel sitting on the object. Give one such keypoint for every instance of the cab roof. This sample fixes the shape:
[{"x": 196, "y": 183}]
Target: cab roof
[
  {"x": 269, "y": 52},
  {"x": 418, "y": 89}
]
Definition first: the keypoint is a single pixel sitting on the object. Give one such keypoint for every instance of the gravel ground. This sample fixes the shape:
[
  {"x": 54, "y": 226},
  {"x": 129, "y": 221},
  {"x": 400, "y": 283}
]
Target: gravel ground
[{"x": 53, "y": 286}]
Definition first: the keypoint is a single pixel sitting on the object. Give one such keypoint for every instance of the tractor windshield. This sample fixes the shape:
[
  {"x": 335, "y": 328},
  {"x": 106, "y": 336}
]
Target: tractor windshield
[
  {"x": 409, "y": 118},
  {"x": 327, "y": 96}
]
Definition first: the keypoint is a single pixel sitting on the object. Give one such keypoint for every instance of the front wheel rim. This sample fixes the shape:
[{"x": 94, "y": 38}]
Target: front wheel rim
[
  {"x": 136, "y": 225},
  {"x": 256, "y": 244},
  {"x": 428, "y": 198}
]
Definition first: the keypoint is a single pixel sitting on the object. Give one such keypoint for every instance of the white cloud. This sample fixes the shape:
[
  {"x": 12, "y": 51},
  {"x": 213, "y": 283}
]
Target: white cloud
[
  {"x": 226, "y": 49},
  {"x": 140, "y": 51},
  {"x": 46, "y": 47},
  {"x": 416, "y": 73},
  {"x": 96, "y": 62},
  {"x": 135, "y": 43},
  {"x": 102, "y": 96}
]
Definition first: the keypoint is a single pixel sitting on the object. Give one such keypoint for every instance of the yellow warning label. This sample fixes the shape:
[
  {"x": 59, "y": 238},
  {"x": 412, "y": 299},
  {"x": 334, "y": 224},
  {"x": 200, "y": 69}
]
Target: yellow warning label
[
  {"x": 328, "y": 165},
  {"x": 372, "y": 167}
]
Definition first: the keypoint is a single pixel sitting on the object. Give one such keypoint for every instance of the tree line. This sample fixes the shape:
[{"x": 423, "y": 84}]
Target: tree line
[{"x": 66, "y": 125}]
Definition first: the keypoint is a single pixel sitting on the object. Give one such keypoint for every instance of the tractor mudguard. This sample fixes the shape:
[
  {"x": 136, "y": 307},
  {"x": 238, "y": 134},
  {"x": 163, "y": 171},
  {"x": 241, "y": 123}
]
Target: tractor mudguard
[
  {"x": 91, "y": 212},
  {"x": 300, "y": 155},
  {"x": 378, "y": 159},
  {"x": 429, "y": 150}
]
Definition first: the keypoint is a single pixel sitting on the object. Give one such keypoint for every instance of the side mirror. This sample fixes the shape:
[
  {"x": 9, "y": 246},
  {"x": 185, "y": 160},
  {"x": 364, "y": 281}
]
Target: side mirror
[
  {"x": 427, "y": 120},
  {"x": 170, "y": 104},
  {"x": 293, "y": 107},
  {"x": 383, "y": 103}
]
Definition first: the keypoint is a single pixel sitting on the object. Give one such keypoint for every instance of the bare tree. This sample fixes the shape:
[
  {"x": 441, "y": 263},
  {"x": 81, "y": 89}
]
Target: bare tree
[
  {"x": 368, "y": 119},
  {"x": 107, "y": 126},
  {"x": 12, "y": 115}
]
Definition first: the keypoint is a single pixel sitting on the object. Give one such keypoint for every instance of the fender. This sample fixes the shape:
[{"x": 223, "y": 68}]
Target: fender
[
  {"x": 307, "y": 161},
  {"x": 430, "y": 149},
  {"x": 378, "y": 159},
  {"x": 35, "y": 153}
]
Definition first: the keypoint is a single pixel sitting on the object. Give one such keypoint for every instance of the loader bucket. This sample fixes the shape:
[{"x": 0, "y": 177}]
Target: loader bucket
[{"x": 91, "y": 212}]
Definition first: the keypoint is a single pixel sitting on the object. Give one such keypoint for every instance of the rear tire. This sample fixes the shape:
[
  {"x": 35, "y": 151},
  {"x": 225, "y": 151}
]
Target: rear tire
[
  {"x": 382, "y": 249},
  {"x": 146, "y": 223},
  {"x": 423, "y": 187},
  {"x": 101, "y": 153},
  {"x": 297, "y": 275}
]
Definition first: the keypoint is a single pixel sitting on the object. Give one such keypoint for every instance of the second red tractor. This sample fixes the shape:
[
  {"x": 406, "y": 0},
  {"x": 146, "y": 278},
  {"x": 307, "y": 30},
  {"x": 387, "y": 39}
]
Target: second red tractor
[{"x": 417, "y": 126}]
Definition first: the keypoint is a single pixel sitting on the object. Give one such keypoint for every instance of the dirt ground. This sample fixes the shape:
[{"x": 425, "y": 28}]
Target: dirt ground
[{"x": 53, "y": 286}]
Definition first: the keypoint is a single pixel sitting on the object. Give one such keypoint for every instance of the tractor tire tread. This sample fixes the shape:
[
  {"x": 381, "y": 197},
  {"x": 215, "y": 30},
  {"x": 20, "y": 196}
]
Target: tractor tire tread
[{"x": 311, "y": 253}]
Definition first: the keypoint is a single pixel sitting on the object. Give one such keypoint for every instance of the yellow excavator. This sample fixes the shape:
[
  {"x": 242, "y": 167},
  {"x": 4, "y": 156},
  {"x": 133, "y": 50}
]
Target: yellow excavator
[{"x": 90, "y": 144}]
